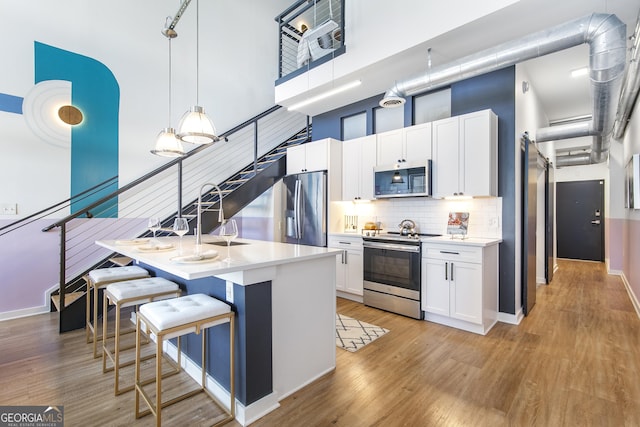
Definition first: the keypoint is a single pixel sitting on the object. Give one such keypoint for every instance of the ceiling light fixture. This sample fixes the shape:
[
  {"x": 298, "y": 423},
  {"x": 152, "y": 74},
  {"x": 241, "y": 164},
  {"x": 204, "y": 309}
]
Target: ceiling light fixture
[
  {"x": 167, "y": 144},
  {"x": 579, "y": 72},
  {"x": 195, "y": 126},
  {"x": 325, "y": 95}
]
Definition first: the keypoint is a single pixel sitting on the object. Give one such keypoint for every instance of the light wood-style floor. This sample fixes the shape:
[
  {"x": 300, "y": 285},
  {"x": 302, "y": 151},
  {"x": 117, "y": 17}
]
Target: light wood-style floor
[{"x": 574, "y": 361}]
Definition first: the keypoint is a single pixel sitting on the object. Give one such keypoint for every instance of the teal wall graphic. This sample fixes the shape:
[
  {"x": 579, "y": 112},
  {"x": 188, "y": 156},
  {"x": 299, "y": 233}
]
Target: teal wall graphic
[{"x": 94, "y": 142}]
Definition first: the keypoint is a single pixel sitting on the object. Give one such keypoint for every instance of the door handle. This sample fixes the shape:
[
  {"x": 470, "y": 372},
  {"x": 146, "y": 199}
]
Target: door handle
[
  {"x": 446, "y": 271},
  {"x": 596, "y": 222},
  {"x": 452, "y": 272}
]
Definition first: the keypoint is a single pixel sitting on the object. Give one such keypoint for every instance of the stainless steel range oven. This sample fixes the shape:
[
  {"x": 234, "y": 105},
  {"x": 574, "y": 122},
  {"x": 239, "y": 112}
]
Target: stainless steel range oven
[{"x": 392, "y": 274}]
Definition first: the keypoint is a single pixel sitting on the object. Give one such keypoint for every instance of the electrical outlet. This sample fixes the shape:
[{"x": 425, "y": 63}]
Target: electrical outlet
[
  {"x": 229, "y": 291},
  {"x": 8, "y": 209},
  {"x": 493, "y": 222}
]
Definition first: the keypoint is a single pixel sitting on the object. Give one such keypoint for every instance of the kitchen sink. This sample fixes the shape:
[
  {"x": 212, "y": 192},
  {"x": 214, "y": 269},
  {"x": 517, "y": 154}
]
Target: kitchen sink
[{"x": 225, "y": 243}]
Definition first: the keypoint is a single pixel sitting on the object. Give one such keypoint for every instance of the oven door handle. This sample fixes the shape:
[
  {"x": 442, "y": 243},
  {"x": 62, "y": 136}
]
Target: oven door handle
[{"x": 391, "y": 246}]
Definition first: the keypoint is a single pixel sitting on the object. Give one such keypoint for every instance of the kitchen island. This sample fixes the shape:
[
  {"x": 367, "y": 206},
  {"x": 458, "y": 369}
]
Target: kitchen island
[{"x": 284, "y": 299}]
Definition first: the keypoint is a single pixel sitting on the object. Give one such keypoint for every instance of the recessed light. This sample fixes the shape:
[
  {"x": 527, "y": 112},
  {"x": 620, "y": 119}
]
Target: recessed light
[{"x": 578, "y": 72}]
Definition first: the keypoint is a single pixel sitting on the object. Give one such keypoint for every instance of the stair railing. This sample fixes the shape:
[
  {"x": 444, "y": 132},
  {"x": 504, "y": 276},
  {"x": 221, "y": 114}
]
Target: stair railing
[{"x": 162, "y": 191}]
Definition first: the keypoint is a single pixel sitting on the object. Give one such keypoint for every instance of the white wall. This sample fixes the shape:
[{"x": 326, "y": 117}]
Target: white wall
[{"x": 238, "y": 65}]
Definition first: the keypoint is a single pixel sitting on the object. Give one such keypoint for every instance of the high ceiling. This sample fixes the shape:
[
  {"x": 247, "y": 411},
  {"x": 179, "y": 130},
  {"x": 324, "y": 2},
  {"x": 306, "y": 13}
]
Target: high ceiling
[{"x": 562, "y": 96}]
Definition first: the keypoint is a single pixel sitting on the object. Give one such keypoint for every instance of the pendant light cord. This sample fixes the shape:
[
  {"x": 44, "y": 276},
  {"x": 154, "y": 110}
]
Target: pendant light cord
[
  {"x": 169, "y": 82},
  {"x": 197, "y": 52}
]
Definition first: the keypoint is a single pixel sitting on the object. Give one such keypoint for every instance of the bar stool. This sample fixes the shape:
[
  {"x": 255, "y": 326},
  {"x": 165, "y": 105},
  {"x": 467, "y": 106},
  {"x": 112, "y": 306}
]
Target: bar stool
[
  {"x": 123, "y": 294},
  {"x": 175, "y": 318},
  {"x": 98, "y": 279}
]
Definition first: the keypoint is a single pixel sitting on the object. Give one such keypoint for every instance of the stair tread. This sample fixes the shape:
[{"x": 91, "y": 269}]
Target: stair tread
[
  {"x": 121, "y": 260},
  {"x": 69, "y": 298}
]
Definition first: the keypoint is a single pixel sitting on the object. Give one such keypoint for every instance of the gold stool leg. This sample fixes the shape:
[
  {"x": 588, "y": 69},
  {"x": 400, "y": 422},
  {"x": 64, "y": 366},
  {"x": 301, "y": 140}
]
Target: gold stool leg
[
  {"x": 88, "y": 309},
  {"x": 158, "y": 412},
  {"x": 95, "y": 320}
]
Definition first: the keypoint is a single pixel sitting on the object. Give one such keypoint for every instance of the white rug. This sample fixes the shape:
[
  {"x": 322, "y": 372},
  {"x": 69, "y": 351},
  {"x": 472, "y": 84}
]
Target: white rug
[{"x": 352, "y": 334}]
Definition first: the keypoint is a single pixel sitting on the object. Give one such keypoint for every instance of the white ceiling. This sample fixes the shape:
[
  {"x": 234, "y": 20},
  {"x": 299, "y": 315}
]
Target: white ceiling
[{"x": 562, "y": 96}]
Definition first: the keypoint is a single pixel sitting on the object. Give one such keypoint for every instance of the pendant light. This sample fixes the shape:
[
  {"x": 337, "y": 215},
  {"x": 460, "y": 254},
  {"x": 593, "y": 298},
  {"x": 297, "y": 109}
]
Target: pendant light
[
  {"x": 397, "y": 178},
  {"x": 195, "y": 126},
  {"x": 167, "y": 143}
]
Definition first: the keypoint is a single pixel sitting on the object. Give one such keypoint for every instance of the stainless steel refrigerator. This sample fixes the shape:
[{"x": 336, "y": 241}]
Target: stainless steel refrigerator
[{"x": 305, "y": 208}]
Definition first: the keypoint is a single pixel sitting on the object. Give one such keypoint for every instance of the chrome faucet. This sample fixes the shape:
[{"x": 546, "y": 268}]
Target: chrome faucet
[{"x": 199, "y": 219}]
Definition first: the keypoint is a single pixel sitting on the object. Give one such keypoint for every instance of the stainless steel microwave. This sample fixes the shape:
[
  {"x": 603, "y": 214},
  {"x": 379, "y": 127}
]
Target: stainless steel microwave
[{"x": 402, "y": 180}]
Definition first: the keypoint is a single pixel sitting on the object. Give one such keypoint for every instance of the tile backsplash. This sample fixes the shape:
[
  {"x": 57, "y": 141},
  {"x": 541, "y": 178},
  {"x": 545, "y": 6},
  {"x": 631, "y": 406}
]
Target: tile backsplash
[{"x": 430, "y": 215}]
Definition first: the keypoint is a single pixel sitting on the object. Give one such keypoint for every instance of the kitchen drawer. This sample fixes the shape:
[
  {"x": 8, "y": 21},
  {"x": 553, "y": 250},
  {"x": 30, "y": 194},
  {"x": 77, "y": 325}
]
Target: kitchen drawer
[
  {"x": 452, "y": 252},
  {"x": 341, "y": 242}
]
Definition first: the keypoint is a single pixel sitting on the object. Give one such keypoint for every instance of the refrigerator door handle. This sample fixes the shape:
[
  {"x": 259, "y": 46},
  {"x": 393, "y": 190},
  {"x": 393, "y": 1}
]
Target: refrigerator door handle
[{"x": 296, "y": 207}]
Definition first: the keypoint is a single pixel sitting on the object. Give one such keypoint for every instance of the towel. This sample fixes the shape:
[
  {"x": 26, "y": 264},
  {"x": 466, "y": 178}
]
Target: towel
[{"x": 204, "y": 256}]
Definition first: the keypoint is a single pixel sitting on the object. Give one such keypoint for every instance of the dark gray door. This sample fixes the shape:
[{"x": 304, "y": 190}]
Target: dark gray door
[
  {"x": 530, "y": 162},
  {"x": 549, "y": 210},
  {"x": 580, "y": 220}
]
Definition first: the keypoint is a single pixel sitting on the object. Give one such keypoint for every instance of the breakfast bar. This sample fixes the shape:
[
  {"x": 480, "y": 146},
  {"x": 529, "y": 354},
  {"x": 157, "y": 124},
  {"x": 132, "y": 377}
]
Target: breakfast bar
[{"x": 283, "y": 296}]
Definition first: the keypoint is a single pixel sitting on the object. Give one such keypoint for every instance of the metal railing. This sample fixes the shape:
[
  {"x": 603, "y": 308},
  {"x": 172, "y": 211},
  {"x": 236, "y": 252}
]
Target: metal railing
[
  {"x": 165, "y": 191},
  {"x": 310, "y": 33},
  {"x": 60, "y": 206}
]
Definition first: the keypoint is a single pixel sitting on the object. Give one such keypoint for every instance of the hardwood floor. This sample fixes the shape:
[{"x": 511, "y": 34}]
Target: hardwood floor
[{"x": 574, "y": 361}]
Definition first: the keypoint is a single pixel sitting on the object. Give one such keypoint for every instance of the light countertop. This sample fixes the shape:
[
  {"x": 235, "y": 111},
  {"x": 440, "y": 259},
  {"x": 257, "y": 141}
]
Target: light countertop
[{"x": 254, "y": 254}]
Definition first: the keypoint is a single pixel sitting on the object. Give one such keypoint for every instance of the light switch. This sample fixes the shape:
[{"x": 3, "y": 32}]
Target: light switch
[{"x": 8, "y": 209}]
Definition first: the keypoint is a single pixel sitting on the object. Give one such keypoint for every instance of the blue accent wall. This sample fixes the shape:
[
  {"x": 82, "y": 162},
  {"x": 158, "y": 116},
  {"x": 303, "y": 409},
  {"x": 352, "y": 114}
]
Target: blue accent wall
[
  {"x": 495, "y": 91},
  {"x": 94, "y": 142}
]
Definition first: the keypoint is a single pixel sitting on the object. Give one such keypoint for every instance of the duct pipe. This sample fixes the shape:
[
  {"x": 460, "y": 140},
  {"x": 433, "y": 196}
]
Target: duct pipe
[
  {"x": 573, "y": 160},
  {"x": 605, "y": 34},
  {"x": 570, "y": 130},
  {"x": 630, "y": 87}
]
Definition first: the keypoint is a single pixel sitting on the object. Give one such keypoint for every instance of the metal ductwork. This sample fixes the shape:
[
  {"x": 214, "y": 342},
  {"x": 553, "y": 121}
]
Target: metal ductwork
[
  {"x": 606, "y": 36},
  {"x": 630, "y": 87},
  {"x": 573, "y": 160}
]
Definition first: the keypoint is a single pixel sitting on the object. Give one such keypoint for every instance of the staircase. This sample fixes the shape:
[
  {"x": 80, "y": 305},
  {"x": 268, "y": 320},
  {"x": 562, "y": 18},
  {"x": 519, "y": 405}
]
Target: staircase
[{"x": 237, "y": 191}]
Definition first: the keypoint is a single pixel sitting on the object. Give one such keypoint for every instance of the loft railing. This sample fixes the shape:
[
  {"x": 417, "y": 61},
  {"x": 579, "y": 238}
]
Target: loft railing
[
  {"x": 310, "y": 33},
  {"x": 164, "y": 191}
]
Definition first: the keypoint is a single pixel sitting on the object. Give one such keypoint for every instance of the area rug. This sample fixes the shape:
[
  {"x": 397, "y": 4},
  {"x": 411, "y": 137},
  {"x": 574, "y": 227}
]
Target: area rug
[{"x": 352, "y": 334}]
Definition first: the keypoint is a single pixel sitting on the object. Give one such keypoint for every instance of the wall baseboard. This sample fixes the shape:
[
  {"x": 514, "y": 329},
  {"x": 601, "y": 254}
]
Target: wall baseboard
[
  {"x": 632, "y": 296},
  {"x": 513, "y": 319},
  {"x": 24, "y": 312}
]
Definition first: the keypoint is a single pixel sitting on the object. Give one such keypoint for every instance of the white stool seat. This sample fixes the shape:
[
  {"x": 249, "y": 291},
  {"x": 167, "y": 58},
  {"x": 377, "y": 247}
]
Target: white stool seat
[
  {"x": 97, "y": 279},
  {"x": 138, "y": 290},
  {"x": 184, "y": 310},
  {"x": 175, "y": 318},
  {"x": 129, "y": 293},
  {"x": 111, "y": 274}
]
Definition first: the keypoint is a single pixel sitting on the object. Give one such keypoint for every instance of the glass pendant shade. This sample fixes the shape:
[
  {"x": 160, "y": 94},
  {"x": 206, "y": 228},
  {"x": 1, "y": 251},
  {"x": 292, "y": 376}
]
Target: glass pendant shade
[
  {"x": 167, "y": 144},
  {"x": 397, "y": 178},
  {"x": 196, "y": 127}
]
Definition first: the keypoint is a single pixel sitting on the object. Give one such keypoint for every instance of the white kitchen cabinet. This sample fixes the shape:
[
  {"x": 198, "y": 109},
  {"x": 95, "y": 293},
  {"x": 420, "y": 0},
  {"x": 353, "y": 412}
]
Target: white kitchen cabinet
[
  {"x": 358, "y": 161},
  {"x": 312, "y": 156},
  {"x": 410, "y": 144},
  {"x": 465, "y": 155},
  {"x": 349, "y": 266},
  {"x": 324, "y": 154},
  {"x": 460, "y": 285}
]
